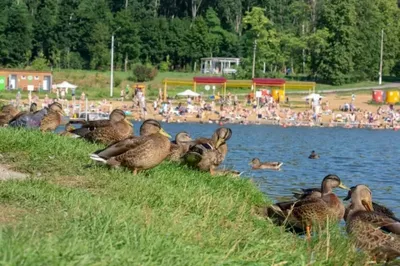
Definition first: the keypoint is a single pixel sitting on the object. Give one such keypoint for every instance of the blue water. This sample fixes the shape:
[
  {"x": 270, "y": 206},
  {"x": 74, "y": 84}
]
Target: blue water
[{"x": 357, "y": 156}]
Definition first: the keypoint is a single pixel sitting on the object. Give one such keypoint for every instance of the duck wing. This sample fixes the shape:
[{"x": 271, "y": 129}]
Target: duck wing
[{"x": 119, "y": 147}]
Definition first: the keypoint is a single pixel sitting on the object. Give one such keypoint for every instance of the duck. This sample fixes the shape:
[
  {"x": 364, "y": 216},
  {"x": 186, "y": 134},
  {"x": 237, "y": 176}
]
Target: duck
[
  {"x": 7, "y": 113},
  {"x": 377, "y": 207},
  {"x": 137, "y": 153},
  {"x": 300, "y": 214},
  {"x": 308, "y": 193},
  {"x": 31, "y": 119},
  {"x": 180, "y": 146},
  {"x": 372, "y": 231},
  {"x": 313, "y": 155},
  {"x": 68, "y": 131},
  {"x": 53, "y": 118},
  {"x": 207, "y": 154},
  {"x": 257, "y": 164},
  {"x": 106, "y": 131}
]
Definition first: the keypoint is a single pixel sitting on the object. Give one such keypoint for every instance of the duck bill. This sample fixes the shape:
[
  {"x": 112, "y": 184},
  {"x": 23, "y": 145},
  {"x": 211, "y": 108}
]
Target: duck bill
[
  {"x": 162, "y": 132},
  {"x": 126, "y": 121},
  {"x": 219, "y": 143},
  {"x": 367, "y": 205},
  {"x": 343, "y": 187}
]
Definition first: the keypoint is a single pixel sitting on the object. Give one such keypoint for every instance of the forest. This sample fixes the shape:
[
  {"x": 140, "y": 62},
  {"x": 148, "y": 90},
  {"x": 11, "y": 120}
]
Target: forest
[{"x": 334, "y": 41}]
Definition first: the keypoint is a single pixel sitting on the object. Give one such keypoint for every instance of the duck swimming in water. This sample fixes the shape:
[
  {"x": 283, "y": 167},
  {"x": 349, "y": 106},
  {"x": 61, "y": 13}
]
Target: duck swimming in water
[
  {"x": 313, "y": 155},
  {"x": 257, "y": 164}
]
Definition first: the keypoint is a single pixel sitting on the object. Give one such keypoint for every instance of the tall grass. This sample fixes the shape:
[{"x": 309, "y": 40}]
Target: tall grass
[{"x": 71, "y": 212}]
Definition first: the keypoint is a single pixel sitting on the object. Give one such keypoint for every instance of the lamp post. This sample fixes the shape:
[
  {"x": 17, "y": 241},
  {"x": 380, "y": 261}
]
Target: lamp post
[
  {"x": 254, "y": 58},
  {"x": 112, "y": 63},
  {"x": 381, "y": 61}
]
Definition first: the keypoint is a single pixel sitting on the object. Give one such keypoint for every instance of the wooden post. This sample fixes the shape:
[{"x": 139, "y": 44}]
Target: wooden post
[
  {"x": 225, "y": 89},
  {"x": 194, "y": 86},
  {"x": 165, "y": 90}
]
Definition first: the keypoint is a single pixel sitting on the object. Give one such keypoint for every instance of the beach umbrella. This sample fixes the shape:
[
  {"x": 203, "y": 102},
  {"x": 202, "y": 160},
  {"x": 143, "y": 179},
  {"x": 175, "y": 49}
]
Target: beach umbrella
[
  {"x": 188, "y": 93},
  {"x": 66, "y": 85},
  {"x": 314, "y": 96}
]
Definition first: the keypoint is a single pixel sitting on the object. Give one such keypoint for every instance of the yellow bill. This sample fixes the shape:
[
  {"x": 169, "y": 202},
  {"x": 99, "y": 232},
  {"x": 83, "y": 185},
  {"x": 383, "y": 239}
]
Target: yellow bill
[
  {"x": 162, "y": 132},
  {"x": 343, "y": 186},
  {"x": 128, "y": 122}
]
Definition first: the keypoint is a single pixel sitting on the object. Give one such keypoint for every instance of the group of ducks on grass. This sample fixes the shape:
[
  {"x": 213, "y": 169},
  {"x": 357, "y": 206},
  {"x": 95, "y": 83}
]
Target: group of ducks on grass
[
  {"x": 46, "y": 119},
  {"x": 374, "y": 228}
]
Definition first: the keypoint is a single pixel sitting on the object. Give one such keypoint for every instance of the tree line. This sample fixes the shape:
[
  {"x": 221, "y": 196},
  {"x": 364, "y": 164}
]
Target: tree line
[{"x": 329, "y": 40}]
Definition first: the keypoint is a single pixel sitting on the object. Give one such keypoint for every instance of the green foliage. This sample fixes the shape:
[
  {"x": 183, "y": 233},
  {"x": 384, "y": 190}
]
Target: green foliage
[
  {"x": 331, "y": 41},
  {"x": 40, "y": 62},
  {"x": 143, "y": 73}
]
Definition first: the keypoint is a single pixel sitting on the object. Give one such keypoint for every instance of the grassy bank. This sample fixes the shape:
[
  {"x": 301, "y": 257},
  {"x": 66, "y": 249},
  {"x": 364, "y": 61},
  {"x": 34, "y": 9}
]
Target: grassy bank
[{"x": 70, "y": 214}]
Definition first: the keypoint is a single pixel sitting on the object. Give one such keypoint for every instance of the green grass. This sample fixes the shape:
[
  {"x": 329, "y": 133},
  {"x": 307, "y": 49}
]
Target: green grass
[{"x": 71, "y": 214}]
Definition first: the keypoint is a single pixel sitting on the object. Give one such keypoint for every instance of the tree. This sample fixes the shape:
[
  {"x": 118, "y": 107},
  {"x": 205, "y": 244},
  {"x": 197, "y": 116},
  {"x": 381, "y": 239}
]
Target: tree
[
  {"x": 18, "y": 32},
  {"x": 128, "y": 40}
]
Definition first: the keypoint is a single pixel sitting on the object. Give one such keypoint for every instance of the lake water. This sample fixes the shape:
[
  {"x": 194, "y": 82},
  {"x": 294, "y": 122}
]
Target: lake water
[{"x": 357, "y": 156}]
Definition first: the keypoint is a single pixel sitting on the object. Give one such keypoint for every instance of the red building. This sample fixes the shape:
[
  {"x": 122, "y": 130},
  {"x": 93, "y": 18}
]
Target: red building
[{"x": 25, "y": 79}]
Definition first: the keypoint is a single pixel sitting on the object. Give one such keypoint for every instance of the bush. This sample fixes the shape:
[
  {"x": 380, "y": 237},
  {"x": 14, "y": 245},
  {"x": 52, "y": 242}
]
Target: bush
[
  {"x": 143, "y": 73},
  {"x": 396, "y": 70},
  {"x": 164, "y": 67}
]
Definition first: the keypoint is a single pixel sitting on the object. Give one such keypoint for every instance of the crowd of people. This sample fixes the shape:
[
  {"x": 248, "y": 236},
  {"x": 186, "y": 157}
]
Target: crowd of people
[{"x": 232, "y": 109}]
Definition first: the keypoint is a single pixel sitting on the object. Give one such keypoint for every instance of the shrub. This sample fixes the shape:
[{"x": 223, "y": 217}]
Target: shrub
[{"x": 143, "y": 73}]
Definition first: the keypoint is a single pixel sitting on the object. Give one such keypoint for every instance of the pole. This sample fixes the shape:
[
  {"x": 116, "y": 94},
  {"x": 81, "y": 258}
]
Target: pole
[
  {"x": 304, "y": 53},
  {"x": 381, "y": 61},
  {"x": 254, "y": 58},
  {"x": 112, "y": 66}
]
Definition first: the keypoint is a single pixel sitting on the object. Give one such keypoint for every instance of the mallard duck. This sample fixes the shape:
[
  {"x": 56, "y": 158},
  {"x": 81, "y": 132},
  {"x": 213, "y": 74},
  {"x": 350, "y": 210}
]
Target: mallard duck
[
  {"x": 301, "y": 214},
  {"x": 7, "y": 113},
  {"x": 313, "y": 155},
  {"x": 137, "y": 152},
  {"x": 257, "y": 164},
  {"x": 208, "y": 154},
  {"x": 68, "y": 131},
  {"x": 53, "y": 118},
  {"x": 107, "y": 131},
  {"x": 378, "y": 208},
  {"x": 31, "y": 119},
  {"x": 374, "y": 232},
  {"x": 180, "y": 146},
  {"x": 307, "y": 193}
]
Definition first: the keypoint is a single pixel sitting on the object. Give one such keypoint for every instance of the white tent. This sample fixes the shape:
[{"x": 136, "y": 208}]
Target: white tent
[
  {"x": 188, "y": 93},
  {"x": 66, "y": 85},
  {"x": 315, "y": 96}
]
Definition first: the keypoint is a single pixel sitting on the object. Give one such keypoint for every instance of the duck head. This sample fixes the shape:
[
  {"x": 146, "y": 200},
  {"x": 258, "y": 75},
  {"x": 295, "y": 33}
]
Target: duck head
[
  {"x": 255, "y": 162},
  {"x": 57, "y": 107},
  {"x": 330, "y": 182},
  {"x": 151, "y": 126},
  {"x": 182, "y": 137},
  {"x": 117, "y": 115},
  {"x": 361, "y": 197},
  {"x": 221, "y": 135}
]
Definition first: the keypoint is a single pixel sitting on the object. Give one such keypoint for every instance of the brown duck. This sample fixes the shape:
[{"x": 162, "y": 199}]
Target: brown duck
[
  {"x": 138, "y": 152},
  {"x": 107, "y": 131},
  {"x": 377, "y": 207},
  {"x": 7, "y": 113},
  {"x": 257, "y": 164},
  {"x": 207, "y": 154},
  {"x": 371, "y": 231},
  {"x": 301, "y": 214},
  {"x": 53, "y": 118},
  {"x": 180, "y": 146}
]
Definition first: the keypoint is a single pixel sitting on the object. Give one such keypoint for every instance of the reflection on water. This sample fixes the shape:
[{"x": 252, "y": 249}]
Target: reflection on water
[{"x": 357, "y": 156}]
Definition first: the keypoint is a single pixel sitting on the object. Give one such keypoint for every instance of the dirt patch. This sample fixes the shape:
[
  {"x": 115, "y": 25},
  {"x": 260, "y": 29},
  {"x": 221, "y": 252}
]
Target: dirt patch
[
  {"x": 71, "y": 181},
  {"x": 8, "y": 174},
  {"x": 10, "y": 214}
]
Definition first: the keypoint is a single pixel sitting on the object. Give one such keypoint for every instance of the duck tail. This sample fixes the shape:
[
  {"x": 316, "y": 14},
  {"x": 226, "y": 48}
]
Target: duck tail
[{"x": 97, "y": 158}]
